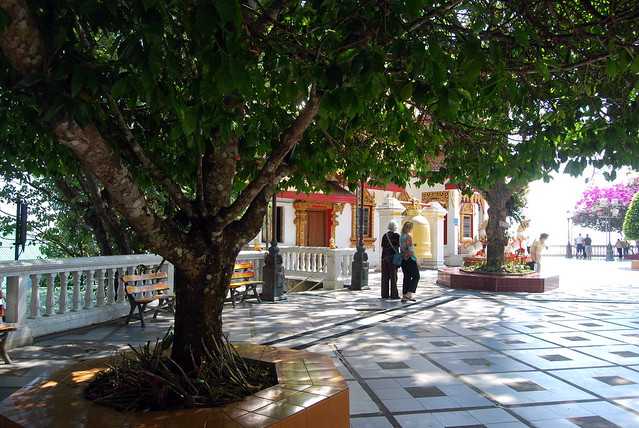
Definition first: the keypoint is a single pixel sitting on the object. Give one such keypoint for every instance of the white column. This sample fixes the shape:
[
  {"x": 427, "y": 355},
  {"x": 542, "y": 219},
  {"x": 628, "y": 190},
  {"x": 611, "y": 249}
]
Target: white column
[
  {"x": 435, "y": 213},
  {"x": 62, "y": 301},
  {"x": 16, "y": 299},
  {"x": 333, "y": 270},
  {"x": 451, "y": 252},
  {"x": 390, "y": 209}
]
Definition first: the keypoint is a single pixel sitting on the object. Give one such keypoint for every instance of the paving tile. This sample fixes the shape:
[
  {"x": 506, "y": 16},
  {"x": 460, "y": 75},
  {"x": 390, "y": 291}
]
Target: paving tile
[
  {"x": 370, "y": 422},
  {"x": 556, "y": 358},
  {"x": 608, "y": 382},
  {"x": 478, "y": 362},
  {"x": 617, "y": 354},
  {"x": 577, "y": 338},
  {"x": 536, "y": 387},
  {"x": 513, "y": 341}
]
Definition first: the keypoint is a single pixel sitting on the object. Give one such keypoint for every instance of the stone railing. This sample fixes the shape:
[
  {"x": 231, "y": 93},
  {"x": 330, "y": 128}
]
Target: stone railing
[
  {"x": 49, "y": 296},
  {"x": 55, "y": 295},
  {"x": 331, "y": 266}
]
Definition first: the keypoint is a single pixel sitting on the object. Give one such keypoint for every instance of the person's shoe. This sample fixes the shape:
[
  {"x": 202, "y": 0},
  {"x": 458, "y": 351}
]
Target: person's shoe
[{"x": 394, "y": 298}]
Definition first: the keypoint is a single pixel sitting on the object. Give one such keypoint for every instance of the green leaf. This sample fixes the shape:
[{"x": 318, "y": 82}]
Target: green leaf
[{"x": 120, "y": 89}]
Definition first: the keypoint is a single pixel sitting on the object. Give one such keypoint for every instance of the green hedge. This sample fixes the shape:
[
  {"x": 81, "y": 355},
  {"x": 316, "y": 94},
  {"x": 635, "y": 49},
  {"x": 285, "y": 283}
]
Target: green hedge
[{"x": 631, "y": 221}]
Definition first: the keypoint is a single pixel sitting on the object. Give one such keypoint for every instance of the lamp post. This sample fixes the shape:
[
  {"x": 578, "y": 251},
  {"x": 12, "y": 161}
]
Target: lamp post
[
  {"x": 273, "y": 288},
  {"x": 568, "y": 245},
  {"x": 359, "y": 268},
  {"x": 609, "y": 210}
]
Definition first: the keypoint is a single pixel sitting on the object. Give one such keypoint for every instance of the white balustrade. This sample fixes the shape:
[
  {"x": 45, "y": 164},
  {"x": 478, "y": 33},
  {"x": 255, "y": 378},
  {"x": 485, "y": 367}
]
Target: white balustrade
[
  {"x": 331, "y": 266},
  {"x": 49, "y": 296}
]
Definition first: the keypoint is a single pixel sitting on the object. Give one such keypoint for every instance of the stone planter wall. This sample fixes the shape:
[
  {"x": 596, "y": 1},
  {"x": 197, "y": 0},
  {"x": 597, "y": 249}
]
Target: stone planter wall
[{"x": 311, "y": 393}]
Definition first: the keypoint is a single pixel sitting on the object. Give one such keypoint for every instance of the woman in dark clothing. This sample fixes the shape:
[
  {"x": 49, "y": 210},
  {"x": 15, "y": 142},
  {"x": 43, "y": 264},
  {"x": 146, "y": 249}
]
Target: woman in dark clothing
[
  {"x": 409, "y": 263},
  {"x": 390, "y": 247}
]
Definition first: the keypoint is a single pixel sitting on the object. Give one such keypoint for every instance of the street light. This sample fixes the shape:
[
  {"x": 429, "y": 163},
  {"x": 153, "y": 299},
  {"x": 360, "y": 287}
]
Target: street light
[
  {"x": 609, "y": 210},
  {"x": 568, "y": 245}
]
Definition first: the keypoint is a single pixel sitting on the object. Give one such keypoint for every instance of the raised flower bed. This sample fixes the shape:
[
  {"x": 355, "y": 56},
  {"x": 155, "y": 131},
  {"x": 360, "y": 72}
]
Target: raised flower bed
[
  {"x": 499, "y": 282},
  {"x": 310, "y": 393}
]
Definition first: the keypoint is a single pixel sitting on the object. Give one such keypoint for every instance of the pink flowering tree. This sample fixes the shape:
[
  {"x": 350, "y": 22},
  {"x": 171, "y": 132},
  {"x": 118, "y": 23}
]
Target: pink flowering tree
[{"x": 588, "y": 212}]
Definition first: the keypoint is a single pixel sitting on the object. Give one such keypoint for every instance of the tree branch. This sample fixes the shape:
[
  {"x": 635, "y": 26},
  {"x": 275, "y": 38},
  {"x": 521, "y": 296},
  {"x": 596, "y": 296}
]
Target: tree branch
[
  {"x": 218, "y": 173},
  {"x": 21, "y": 41},
  {"x": 173, "y": 189},
  {"x": 88, "y": 145},
  {"x": 269, "y": 171}
]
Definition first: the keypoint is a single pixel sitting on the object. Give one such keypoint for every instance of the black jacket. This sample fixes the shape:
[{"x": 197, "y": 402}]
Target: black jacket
[{"x": 387, "y": 249}]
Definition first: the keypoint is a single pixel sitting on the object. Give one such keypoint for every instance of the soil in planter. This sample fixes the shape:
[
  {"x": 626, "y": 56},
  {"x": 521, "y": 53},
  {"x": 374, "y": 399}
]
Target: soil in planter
[{"x": 147, "y": 379}]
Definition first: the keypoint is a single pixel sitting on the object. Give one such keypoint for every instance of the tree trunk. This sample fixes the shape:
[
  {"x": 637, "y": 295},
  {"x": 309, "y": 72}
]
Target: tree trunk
[
  {"x": 497, "y": 198},
  {"x": 200, "y": 290}
]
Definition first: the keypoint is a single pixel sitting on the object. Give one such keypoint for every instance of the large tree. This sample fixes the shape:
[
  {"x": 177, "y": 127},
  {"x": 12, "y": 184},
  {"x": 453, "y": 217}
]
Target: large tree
[
  {"x": 189, "y": 114},
  {"x": 558, "y": 87}
]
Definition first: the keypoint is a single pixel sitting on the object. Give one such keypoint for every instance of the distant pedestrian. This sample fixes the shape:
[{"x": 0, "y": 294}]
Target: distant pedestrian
[
  {"x": 579, "y": 241},
  {"x": 588, "y": 246},
  {"x": 409, "y": 263},
  {"x": 619, "y": 247},
  {"x": 537, "y": 249},
  {"x": 390, "y": 249},
  {"x": 626, "y": 247}
]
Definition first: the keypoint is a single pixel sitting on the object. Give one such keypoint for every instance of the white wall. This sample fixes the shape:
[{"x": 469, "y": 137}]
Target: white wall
[
  {"x": 289, "y": 221},
  {"x": 343, "y": 229}
]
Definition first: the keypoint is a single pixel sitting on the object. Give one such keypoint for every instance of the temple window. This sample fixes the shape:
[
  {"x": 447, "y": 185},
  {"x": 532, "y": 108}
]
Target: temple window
[
  {"x": 467, "y": 226},
  {"x": 368, "y": 220}
]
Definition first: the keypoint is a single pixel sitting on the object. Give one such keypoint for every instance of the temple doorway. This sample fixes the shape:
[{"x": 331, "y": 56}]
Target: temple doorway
[{"x": 316, "y": 235}]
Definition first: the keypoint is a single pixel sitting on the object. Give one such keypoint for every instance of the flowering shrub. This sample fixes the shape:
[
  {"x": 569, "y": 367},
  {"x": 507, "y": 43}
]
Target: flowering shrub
[
  {"x": 631, "y": 222},
  {"x": 587, "y": 211}
]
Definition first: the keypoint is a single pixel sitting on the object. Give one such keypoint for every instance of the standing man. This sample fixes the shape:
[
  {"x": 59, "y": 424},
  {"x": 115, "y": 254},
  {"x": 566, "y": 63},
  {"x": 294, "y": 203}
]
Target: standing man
[
  {"x": 588, "y": 246},
  {"x": 580, "y": 246},
  {"x": 537, "y": 249}
]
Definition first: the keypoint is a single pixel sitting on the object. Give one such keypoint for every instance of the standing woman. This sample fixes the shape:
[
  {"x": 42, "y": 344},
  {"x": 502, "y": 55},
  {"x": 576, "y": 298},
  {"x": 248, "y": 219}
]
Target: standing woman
[
  {"x": 409, "y": 263},
  {"x": 390, "y": 247}
]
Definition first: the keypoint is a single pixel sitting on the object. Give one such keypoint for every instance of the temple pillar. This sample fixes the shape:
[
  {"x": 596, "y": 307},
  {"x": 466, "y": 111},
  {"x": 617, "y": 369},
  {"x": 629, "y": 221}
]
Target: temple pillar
[
  {"x": 435, "y": 214},
  {"x": 452, "y": 257}
]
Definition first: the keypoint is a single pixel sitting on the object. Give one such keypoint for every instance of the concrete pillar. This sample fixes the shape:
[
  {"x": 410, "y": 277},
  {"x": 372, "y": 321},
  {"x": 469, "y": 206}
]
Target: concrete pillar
[
  {"x": 390, "y": 209},
  {"x": 435, "y": 213},
  {"x": 452, "y": 257},
  {"x": 17, "y": 312}
]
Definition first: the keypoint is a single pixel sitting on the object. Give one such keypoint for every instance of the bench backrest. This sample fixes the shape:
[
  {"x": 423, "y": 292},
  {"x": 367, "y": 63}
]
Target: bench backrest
[
  {"x": 243, "y": 271},
  {"x": 147, "y": 284}
]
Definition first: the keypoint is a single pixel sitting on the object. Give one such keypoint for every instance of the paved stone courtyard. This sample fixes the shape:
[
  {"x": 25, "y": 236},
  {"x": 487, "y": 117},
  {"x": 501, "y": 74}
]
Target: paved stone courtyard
[{"x": 567, "y": 358}]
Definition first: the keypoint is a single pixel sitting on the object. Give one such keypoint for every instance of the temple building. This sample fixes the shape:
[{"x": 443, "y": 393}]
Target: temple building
[{"x": 329, "y": 219}]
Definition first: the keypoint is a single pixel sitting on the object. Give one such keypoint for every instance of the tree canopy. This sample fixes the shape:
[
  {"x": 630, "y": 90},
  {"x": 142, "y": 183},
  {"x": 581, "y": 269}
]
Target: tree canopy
[{"x": 189, "y": 114}]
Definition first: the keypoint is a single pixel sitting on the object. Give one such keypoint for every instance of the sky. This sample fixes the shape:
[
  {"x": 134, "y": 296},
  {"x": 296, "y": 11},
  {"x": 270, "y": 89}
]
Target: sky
[{"x": 548, "y": 203}]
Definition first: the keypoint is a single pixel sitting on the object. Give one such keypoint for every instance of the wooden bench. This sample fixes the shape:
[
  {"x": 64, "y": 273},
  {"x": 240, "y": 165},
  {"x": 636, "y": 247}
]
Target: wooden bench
[
  {"x": 5, "y": 329},
  {"x": 244, "y": 276},
  {"x": 145, "y": 288}
]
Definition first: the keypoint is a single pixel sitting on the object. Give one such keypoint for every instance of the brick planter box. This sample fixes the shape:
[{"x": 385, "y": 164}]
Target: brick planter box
[
  {"x": 530, "y": 283},
  {"x": 310, "y": 393}
]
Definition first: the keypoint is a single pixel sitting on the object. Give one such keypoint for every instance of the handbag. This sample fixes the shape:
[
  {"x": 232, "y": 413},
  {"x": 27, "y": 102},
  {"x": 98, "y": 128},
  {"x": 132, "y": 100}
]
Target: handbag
[{"x": 397, "y": 257}]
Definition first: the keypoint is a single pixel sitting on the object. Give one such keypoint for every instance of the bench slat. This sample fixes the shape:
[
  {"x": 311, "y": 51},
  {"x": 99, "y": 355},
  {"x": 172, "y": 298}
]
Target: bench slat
[
  {"x": 243, "y": 283},
  {"x": 243, "y": 265},
  {"x": 245, "y": 274},
  {"x": 144, "y": 277},
  {"x": 134, "y": 289}
]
